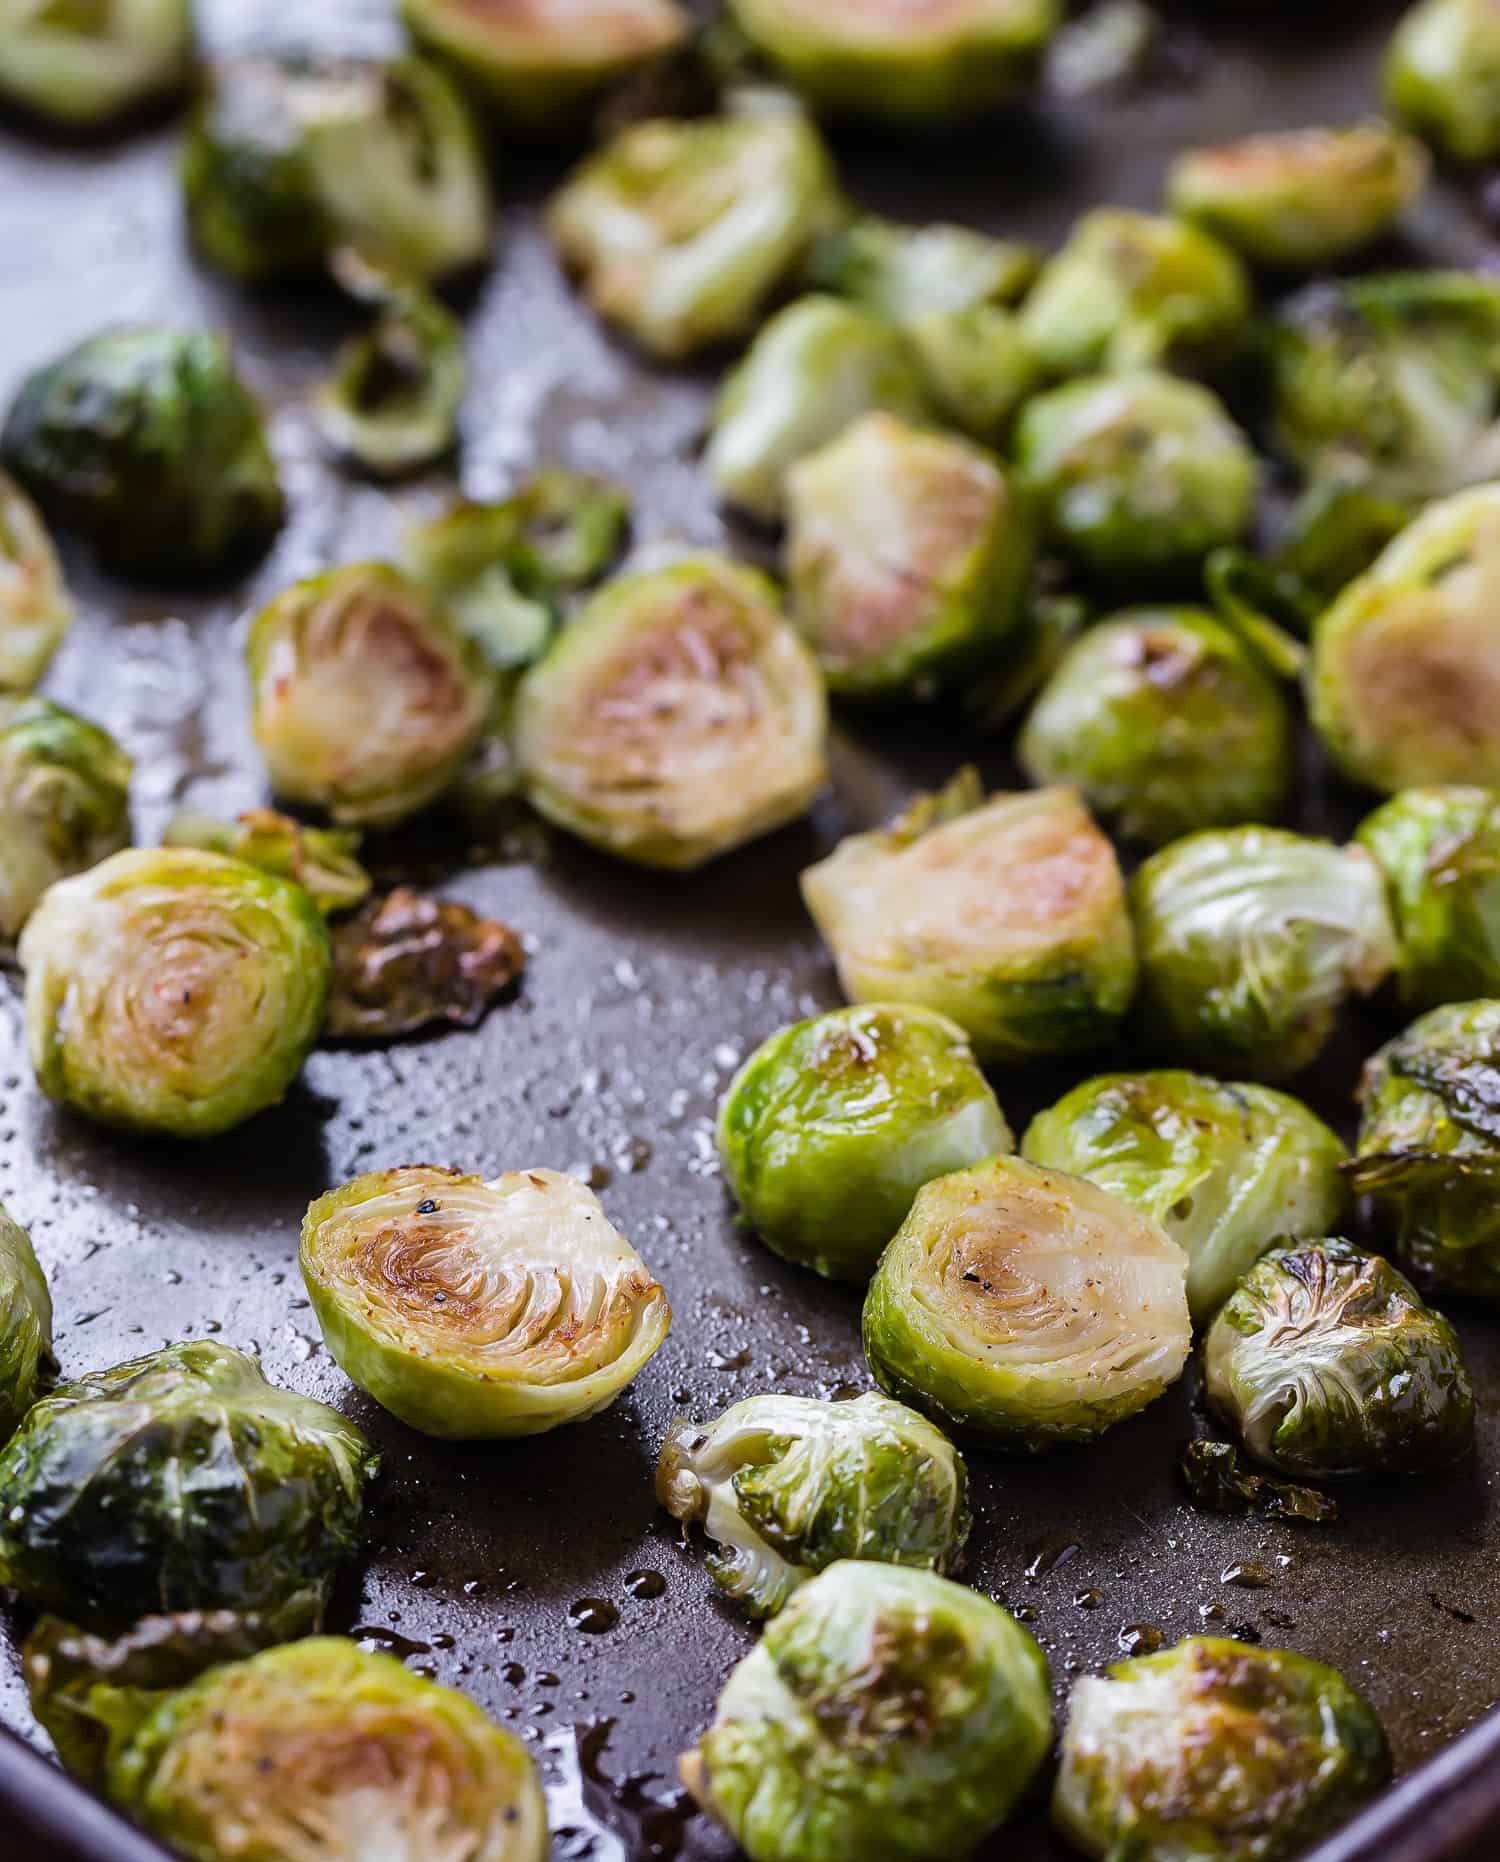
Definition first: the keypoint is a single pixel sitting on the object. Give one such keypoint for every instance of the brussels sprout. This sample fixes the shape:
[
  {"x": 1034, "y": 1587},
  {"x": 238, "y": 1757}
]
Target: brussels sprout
[
  {"x": 1301, "y": 198},
  {"x": 677, "y": 717},
  {"x": 1130, "y": 291},
  {"x": 1027, "y": 1307},
  {"x": 408, "y": 960},
  {"x": 1007, "y": 914},
  {"x": 473, "y": 1309},
  {"x": 173, "y": 992},
  {"x": 815, "y": 367},
  {"x": 1429, "y": 1147},
  {"x": 321, "y": 860},
  {"x": 1138, "y": 476},
  {"x": 392, "y": 402},
  {"x": 179, "y": 1481},
  {"x": 683, "y": 230},
  {"x": 1216, "y": 1751},
  {"x": 84, "y": 64},
  {"x": 1326, "y": 1362},
  {"x": 148, "y": 444},
  {"x": 324, "y": 1752},
  {"x": 367, "y": 698},
  {"x": 64, "y": 802},
  {"x": 1167, "y": 723},
  {"x": 1226, "y": 1170},
  {"x": 1220, "y": 1480},
  {"x": 785, "y": 1486},
  {"x": 1250, "y": 939},
  {"x": 36, "y": 610},
  {"x": 907, "y": 557},
  {"x": 886, "y": 1715},
  {"x": 1404, "y": 682},
  {"x": 903, "y": 273},
  {"x": 1443, "y": 76},
  {"x": 832, "y": 1126},
  {"x": 25, "y": 1325},
  {"x": 976, "y": 366}
]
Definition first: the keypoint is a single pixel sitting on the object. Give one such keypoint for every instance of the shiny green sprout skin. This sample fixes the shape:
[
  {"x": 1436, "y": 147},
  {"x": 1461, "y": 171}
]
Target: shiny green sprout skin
[
  {"x": 785, "y": 1486},
  {"x": 1443, "y": 76},
  {"x": 1226, "y": 1169},
  {"x": 1439, "y": 849},
  {"x": 326, "y": 1752},
  {"x": 320, "y": 860},
  {"x": 678, "y": 716},
  {"x": 1250, "y": 941},
  {"x": 475, "y": 1310},
  {"x": 1214, "y": 1752},
  {"x": 179, "y": 1481},
  {"x": 907, "y": 556},
  {"x": 885, "y": 1716},
  {"x": 832, "y": 1126},
  {"x": 1167, "y": 723},
  {"x": 85, "y": 67},
  {"x": 146, "y": 442},
  {"x": 1007, "y": 914},
  {"x": 392, "y": 401},
  {"x": 1326, "y": 1363},
  {"x": 36, "y": 611},
  {"x": 25, "y": 1325},
  {"x": 172, "y": 992},
  {"x": 1027, "y": 1307},
  {"x": 64, "y": 802}
]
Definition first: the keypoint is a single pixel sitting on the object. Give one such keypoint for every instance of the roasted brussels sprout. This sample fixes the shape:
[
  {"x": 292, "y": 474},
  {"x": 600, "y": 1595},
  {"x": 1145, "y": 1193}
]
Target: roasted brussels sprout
[
  {"x": 1443, "y": 76},
  {"x": 474, "y": 1309},
  {"x": 172, "y": 992},
  {"x": 1225, "y": 1169},
  {"x": 25, "y": 1325},
  {"x": 84, "y": 64},
  {"x": 1404, "y": 682},
  {"x": 904, "y": 273},
  {"x": 907, "y": 555},
  {"x": 785, "y": 1486},
  {"x": 1250, "y": 940},
  {"x": 321, "y": 860},
  {"x": 832, "y": 1126},
  {"x": 1326, "y": 1362},
  {"x": 64, "y": 802},
  {"x": 179, "y": 1481},
  {"x": 1138, "y": 475},
  {"x": 367, "y": 698},
  {"x": 1007, "y": 914},
  {"x": 148, "y": 444},
  {"x": 683, "y": 230},
  {"x": 1131, "y": 291},
  {"x": 1301, "y": 198},
  {"x": 885, "y": 1716},
  {"x": 408, "y": 960},
  {"x": 1167, "y": 723},
  {"x": 976, "y": 367},
  {"x": 815, "y": 367},
  {"x": 1217, "y": 1751},
  {"x": 323, "y": 1752},
  {"x": 391, "y": 404},
  {"x": 36, "y": 610},
  {"x": 1027, "y": 1307},
  {"x": 677, "y": 716}
]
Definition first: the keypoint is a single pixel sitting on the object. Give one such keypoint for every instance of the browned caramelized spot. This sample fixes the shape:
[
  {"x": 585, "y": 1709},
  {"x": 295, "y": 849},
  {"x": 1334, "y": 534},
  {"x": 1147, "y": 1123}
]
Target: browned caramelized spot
[
  {"x": 407, "y": 655},
  {"x": 1430, "y": 681},
  {"x": 408, "y": 959},
  {"x": 425, "y": 1269},
  {"x": 690, "y": 667},
  {"x": 1042, "y": 873}
]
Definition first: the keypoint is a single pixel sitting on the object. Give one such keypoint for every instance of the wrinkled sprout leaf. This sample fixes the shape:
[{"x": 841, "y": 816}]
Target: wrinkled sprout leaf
[{"x": 408, "y": 960}]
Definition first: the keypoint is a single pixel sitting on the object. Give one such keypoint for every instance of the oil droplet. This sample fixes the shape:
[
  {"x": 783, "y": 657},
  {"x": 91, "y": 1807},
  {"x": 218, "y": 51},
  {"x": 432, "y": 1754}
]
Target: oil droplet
[
  {"x": 376, "y": 1635},
  {"x": 594, "y": 1616},
  {"x": 1246, "y": 1575},
  {"x": 647, "y": 1585},
  {"x": 1088, "y": 1598},
  {"x": 1141, "y": 1638},
  {"x": 1049, "y": 1555}
]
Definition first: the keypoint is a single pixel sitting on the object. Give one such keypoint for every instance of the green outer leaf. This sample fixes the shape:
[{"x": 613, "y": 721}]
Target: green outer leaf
[
  {"x": 1219, "y": 1480},
  {"x": 1443, "y": 76},
  {"x": 36, "y": 610},
  {"x": 391, "y": 402},
  {"x": 25, "y": 1325},
  {"x": 320, "y": 860},
  {"x": 85, "y": 68}
]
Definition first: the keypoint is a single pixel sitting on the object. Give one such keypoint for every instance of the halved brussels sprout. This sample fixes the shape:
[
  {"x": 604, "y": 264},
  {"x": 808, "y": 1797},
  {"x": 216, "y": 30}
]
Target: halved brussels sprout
[
  {"x": 84, "y": 64},
  {"x": 1008, "y": 915},
  {"x": 148, "y": 444},
  {"x": 1404, "y": 682},
  {"x": 682, "y": 231},
  {"x": 815, "y": 367},
  {"x": 321, "y": 860},
  {"x": 679, "y": 715},
  {"x": 1439, "y": 849},
  {"x": 1138, "y": 475},
  {"x": 1301, "y": 198},
  {"x": 1215, "y": 1750},
  {"x": 473, "y": 1309},
  {"x": 367, "y": 698},
  {"x": 1250, "y": 940},
  {"x": 1326, "y": 1362},
  {"x": 1443, "y": 76},
  {"x": 409, "y": 960},
  {"x": 64, "y": 802},
  {"x": 832, "y": 1126},
  {"x": 180, "y": 1481},
  {"x": 1166, "y": 722},
  {"x": 325, "y": 1752},
  {"x": 1027, "y": 1307},
  {"x": 1132, "y": 290},
  {"x": 1225, "y": 1169},
  {"x": 173, "y": 992},
  {"x": 36, "y": 610},
  {"x": 785, "y": 1486},
  {"x": 906, "y": 272},
  {"x": 25, "y": 1325},
  {"x": 392, "y": 402},
  {"x": 885, "y": 1716},
  {"x": 907, "y": 556}
]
